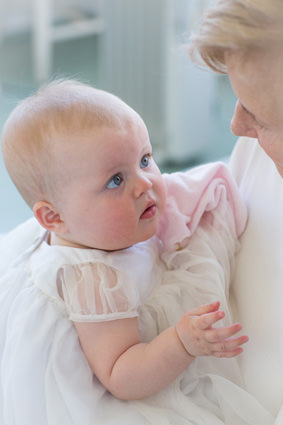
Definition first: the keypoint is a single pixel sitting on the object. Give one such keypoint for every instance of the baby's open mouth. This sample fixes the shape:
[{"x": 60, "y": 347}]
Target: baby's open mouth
[{"x": 149, "y": 212}]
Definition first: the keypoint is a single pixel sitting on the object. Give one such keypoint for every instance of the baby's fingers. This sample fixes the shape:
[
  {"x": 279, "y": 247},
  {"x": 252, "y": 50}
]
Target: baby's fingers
[
  {"x": 204, "y": 309},
  {"x": 220, "y": 334},
  {"x": 207, "y": 320},
  {"x": 229, "y": 348}
]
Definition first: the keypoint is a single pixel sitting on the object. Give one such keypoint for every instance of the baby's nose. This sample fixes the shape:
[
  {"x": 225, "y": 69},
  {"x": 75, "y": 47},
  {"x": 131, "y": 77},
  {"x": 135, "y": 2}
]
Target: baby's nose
[{"x": 142, "y": 185}]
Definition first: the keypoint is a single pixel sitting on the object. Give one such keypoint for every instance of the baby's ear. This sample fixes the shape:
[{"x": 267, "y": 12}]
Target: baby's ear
[{"x": 49, "y": 218}]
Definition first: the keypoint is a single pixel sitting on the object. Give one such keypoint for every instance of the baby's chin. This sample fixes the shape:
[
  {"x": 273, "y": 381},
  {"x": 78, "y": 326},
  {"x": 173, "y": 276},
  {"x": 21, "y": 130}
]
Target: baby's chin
[
  {"x": 144, "y": 238},
  {"x": 129, "y": 244}
]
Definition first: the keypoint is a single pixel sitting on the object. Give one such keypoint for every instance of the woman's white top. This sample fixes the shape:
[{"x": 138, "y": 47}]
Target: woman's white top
[{"x": 257, "y": 289}]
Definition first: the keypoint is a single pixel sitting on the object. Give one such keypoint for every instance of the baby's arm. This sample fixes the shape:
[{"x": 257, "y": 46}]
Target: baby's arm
[{"x": 130, "y": 369}]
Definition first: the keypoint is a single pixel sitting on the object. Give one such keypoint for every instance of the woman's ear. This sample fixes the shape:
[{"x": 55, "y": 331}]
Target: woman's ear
[{"x": 49, "y": 218}]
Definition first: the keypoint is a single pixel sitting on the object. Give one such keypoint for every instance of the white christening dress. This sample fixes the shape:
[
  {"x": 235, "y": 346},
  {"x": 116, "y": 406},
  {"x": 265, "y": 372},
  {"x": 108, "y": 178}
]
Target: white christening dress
[{"x": 44, "y": 376}]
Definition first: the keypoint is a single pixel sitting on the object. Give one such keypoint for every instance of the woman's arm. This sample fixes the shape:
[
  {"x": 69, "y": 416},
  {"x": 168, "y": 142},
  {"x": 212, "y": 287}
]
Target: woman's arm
[{"x": 130, "y": 369}]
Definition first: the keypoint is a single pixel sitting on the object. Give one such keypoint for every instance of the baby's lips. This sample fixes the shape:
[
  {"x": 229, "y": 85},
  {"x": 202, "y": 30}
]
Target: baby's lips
[{"x": 149, "y": 211}]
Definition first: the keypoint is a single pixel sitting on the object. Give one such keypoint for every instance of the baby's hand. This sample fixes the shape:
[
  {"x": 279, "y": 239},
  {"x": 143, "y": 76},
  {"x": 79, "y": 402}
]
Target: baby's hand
[{"x": 199, "y": 338}]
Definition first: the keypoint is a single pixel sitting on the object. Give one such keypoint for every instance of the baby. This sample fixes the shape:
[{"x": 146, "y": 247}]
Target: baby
[{"x": 120, "y": 243}]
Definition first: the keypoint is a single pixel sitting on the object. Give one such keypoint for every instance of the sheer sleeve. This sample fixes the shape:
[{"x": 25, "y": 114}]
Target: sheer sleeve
[{"x": 95, "y": 292}]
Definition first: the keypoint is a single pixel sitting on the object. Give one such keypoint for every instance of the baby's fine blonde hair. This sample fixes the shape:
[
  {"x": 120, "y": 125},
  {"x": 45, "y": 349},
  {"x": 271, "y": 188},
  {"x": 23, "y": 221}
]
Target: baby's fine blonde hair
[
  {"x": 62, "y": 108},
  {"x": 242, "y": 25}
]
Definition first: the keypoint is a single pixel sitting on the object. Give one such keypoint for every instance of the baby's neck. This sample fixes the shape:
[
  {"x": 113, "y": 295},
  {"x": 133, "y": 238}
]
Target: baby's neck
[{"x": 55, "y": 239}]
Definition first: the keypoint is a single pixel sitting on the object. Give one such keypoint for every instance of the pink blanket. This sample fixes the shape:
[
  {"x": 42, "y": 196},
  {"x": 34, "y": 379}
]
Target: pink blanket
[{"x": 193, "y": 193}]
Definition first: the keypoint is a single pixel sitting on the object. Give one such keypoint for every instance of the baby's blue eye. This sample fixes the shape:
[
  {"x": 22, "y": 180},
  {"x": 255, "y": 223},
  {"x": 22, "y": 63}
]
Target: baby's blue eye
[
  {"x": 145, "y": 161},
  {"x": 114, "y": 182}
]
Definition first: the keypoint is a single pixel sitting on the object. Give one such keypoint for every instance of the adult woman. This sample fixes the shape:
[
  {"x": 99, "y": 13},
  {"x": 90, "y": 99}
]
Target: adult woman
[{"x": 244, "y": 38}]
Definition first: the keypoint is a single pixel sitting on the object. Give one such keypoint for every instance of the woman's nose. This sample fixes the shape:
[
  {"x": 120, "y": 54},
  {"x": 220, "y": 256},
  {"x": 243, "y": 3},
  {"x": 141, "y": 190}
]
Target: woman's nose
[
  {"x": 141, "y": 185},
  {"x": 242, "y": 124}
]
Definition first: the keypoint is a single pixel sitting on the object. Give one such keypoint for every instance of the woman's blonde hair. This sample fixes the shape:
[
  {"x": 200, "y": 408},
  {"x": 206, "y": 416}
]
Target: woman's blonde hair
[
  {"x": 60, "y": 109},
  {"x": 244, "y": 25}
]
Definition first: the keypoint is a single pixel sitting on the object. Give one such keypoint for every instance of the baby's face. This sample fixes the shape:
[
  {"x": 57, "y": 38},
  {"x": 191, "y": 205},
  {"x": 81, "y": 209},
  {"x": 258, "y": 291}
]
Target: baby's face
[{"x": 113, "y": 193}]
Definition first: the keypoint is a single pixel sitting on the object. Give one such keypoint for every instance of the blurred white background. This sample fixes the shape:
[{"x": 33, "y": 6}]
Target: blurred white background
[{"x": 134, "y": 48}]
